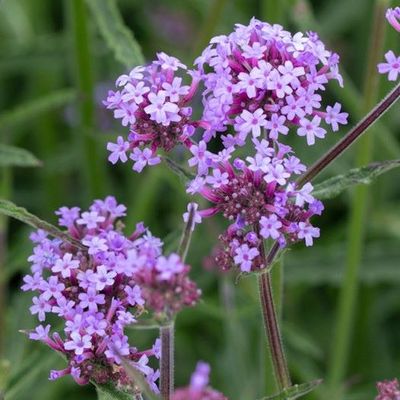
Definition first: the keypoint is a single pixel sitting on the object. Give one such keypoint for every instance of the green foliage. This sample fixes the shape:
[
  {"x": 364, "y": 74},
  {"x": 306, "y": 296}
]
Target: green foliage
[
  {"x": 365, "y": 175},
  {"x": 295, "y": 391},
  {"x": 33, "y": 108},
  {"x": 117, "y": 36},
  {"x": 11, "y": 156},
  {"x": 11, "y": 210},
  {"x": 108, "y": 392}
]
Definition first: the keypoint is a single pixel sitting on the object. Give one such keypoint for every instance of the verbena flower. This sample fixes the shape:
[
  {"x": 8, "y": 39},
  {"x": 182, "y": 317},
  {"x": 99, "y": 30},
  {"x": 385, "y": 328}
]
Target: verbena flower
[
  {"x": 198, "y": 388},
  {"x": 153, "y": 102},
  {"x": 257, "y": 197},
  {"x": 388, "y": 390},
  {"x": 99, "y": 291},
  {"x": 392, "y": 64},
  {"x": 261, "y": 76}
]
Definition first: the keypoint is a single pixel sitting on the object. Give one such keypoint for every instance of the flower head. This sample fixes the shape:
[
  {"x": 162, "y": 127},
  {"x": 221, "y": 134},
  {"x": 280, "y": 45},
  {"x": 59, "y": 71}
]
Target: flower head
[
  {"x": 262, "y": 77},
  {"x": 388, "y": 390},
  {"x": 154, "y": 103},
  {"x": 97, "y": 292}
]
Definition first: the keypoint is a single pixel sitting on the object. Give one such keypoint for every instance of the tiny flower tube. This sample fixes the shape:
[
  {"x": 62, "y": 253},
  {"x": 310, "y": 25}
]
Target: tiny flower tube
[{"x": 99, "y": 291}]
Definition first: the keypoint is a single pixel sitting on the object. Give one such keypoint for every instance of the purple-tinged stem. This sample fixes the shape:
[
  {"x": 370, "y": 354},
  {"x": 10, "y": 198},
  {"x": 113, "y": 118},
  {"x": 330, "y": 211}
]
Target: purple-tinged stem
[
  {"x": 271, "y": 324},
  {"x": 354, "y": 134},
  {"x": 167, "y": 361}
]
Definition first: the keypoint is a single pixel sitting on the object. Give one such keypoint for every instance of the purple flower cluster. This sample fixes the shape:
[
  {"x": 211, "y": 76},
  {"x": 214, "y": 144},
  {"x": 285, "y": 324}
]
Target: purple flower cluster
[
  {"x": 153, "y": 102},
  {"x": 99, "y": 290},
  {"x": 261, "y": 76},
  {"x": 198, "y": 388},
  {"x": 392, "y": 64},
  {"x": 388, "y": 390},
  {"x": 255, "y": 195}
]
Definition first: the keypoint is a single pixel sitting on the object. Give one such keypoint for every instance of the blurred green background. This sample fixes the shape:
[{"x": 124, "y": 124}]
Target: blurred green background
[{"x": 53, "y": 77}]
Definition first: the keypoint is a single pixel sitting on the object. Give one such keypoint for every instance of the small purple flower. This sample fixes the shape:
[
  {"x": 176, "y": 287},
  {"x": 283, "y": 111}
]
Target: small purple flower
[
  {"x": 251, "y": 122},
  {"x": 311, "y": 129},
  {"x": 134, "y": 295},
  {"x": 160, "y": 110},
  {"x": 270, "y": 227},
  {"x": 91, "y": 299},
  {"x": 142, "y": 158},
  {"x": 167, "y": 267},
  {"x": 118, "y": 150},
  {"x": 51, "y": 288},
  {"x": 393, "y": 17},
  {"x": 40, "y": 307},
  {"x": 244, "y": 256},
  {"x": 103, "y": 277},
  {"x": 391, "y": 67},
  {"x": 78, "y": 343},
  {"x": 334, "y": 117},
  {"x": 90, "y": 219},
  {"x": 308, "y": 232},
  {"x": 196, "y": 215},
  {"x": 40, "y": 333},
  {"x": 95, "y": 244},
  {"x": 276, "y": 125},
  {"x": 68, "y": 216},
  {"x": 65, "y": 265}
]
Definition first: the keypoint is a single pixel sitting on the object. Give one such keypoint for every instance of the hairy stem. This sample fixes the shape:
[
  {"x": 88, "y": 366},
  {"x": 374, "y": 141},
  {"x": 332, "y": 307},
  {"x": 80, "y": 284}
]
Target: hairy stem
[
  {"x": 272, "y": 331},
  {"x": 271, "y": 324},
  {"x": 167, "y": 361},
  {"x": 358, "y": 208}
]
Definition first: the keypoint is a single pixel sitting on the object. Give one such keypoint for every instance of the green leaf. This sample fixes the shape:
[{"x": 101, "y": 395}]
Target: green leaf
[
  {"x": 364, "y": 175},
  {"x": 118, "y": 37},
  {"x": 33, "y": 108},
  {"x": 11, "y": 156},
  {"x": 11, "y": 210},
  {"x": 109, "y": 392},
  {"x": 295, "y": 391}
]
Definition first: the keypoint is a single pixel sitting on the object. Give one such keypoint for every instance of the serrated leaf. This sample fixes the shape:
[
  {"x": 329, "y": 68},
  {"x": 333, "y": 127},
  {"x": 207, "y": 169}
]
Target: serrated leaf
[
  {"x": 332, "y": 187},
  {"x": 31, "y": 109},
  {"x": 109, "y": 392},
  {"x": 295, "y": 391},
  {"x": 12, "y": 210},
  {"x": 117, "y": 36},
  {"x": 11, "y": 156}
]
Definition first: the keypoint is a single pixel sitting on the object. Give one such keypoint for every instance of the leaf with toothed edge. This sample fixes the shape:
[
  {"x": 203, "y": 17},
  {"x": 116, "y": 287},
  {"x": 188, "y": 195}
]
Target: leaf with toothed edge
[
  {"x": 12, "y": 210},
  {"x": 332, "y": 187},
  {"x": 295, "y": 391}
]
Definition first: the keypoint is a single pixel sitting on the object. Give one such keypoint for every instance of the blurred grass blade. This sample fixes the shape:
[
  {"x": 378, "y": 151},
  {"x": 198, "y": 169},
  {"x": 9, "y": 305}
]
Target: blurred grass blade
[
  {"x": 11, "y": 156},
  {"x": 295, "y": 391},
  {"x": 31, "y": 109},
  {"x": 110, "y": 392},
  {"x": 332, "y": 187},
  {"x": 11, "y": 210},
  {"x": 4, "y": 376},
  {"x": 118, "y": 37},
  {"x": 178, "y": 170}
]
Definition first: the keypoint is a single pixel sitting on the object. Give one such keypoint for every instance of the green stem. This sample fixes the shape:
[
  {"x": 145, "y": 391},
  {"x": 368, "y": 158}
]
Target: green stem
[
  {"x": 93, "y": 170},
  {"x": 167, "y": 361},
  {"x": 187, "y": 234},
  {"x": 5, "y": 189},
  {"x": 359, "y": 204}
]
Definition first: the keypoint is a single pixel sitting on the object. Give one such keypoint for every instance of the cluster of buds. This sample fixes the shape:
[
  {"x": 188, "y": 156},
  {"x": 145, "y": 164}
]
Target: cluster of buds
[
  {"x": 154, "y": 103},
  {"x": 260, "y": 76},
  {"x": 388, "y": 390},
  {"x": 198, "y": 388},
  {"x": 392, "y": 64},
  {"x": 100, "y": 287},
  {"x": 254, "y": 194}
]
